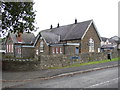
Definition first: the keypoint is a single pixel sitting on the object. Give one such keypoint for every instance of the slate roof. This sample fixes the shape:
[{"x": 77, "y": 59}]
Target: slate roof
[
  {"x": 108, "y": 46},
  {"x": 36, "y": 39},
  {"x": 116, "y": 38},
  {"x": 109, "y": 39},
  {"x": 27, "y": 38},
  {"x": 112, "y": 41},
  {"x": 50, "y": 37},
  {"x": 66, "y": 32},
  {"x": 104, "y": 39}
]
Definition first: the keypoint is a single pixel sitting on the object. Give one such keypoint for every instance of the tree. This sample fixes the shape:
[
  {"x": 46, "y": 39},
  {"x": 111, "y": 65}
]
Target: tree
[{"x": 18, "y": 17}]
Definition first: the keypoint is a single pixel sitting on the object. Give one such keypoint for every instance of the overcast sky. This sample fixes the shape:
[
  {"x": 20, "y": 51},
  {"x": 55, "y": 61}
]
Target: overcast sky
[{"x": 103, "y": 12}]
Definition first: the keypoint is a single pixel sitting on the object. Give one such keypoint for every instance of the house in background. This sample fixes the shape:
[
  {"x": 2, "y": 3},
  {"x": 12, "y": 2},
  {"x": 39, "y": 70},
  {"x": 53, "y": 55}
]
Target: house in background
[
  {"x": 106, "y": 41},
  {"x": 116, "y": 38},
  {"x": 118, "y": 44},
  {"x": 20, "y": 45},
  {"x": 108, "y": 44},
  {"x": 80, "y": 37}
]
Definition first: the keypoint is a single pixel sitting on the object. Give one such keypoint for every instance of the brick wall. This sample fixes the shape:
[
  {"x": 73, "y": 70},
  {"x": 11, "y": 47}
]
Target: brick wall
[{"x": 20, "y": 65}]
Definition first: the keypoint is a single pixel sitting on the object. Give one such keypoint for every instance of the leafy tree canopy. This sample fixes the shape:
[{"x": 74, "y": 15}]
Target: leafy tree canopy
[{"x": 18, "y": 17}]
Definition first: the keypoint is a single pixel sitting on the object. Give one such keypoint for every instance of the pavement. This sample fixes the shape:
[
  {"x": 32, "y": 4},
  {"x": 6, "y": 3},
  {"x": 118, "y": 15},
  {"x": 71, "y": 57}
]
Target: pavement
[{"x": 51, "y": 73}]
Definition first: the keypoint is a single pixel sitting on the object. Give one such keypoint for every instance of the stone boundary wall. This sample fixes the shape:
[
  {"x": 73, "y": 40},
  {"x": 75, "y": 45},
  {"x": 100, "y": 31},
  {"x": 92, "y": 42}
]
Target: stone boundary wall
[
  {"x": 20, "y": 65},
  {"x": 66, "y": 60},
  {"x": 46, "y": 61}
]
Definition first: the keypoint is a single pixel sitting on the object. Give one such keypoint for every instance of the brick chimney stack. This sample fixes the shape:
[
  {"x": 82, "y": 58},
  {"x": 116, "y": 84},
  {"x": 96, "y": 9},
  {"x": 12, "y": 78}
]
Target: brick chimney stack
[
  {"x": 19, "y": 37},
  {"x": 51, "y": 26},
  {"x": 19, "y": 34}
]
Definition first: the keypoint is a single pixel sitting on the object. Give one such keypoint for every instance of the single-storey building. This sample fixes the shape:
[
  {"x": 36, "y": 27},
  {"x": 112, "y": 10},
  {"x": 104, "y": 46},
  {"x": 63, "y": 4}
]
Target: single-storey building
[
  {"x": 20, "y": 45},
  {"x": 72, "y": 39}
]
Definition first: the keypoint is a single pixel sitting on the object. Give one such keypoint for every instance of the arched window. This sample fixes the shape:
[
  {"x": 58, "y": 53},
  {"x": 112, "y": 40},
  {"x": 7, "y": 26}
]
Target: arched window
[
  {"x": 41, "y": 46},
  {"x": 91, "y": 45}
]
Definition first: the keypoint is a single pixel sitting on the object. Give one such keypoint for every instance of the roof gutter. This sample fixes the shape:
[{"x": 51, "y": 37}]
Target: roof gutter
[
  {"x": 67, "y": 44},
  {"x": 73, "y": 44},
  {"x": 27, "y": 46}
]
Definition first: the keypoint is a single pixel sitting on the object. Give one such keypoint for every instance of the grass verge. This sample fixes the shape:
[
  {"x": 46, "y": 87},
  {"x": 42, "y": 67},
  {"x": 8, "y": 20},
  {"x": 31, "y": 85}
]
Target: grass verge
[{"x": 87, "y": 63}]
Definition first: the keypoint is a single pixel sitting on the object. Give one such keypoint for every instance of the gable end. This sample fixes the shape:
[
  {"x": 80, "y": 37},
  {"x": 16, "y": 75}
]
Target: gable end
[{"x": 92, "y": 23}]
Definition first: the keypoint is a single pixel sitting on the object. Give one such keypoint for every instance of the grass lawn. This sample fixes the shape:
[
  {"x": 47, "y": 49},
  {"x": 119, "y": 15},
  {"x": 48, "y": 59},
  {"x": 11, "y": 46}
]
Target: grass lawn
[{"x": 87, "y": 63}]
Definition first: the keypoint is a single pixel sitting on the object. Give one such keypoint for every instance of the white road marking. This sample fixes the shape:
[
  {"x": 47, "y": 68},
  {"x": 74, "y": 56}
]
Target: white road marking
[{"x": 102, "y": 83}]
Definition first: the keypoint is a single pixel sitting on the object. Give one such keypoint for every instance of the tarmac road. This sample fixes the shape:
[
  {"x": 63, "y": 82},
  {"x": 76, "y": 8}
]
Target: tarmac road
[{"x": 105, "y": 78}]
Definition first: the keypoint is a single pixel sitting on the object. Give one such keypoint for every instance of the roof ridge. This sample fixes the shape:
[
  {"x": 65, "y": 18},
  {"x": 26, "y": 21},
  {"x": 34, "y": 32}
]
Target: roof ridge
[
  {"x": 66, "y": 32},
  {"x": 66, "y": 25}
]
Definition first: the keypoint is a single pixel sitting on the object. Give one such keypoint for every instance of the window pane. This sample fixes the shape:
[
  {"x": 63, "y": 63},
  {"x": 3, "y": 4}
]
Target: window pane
[
  {"x": 77, "y": 50},
  {"x": 37, "y": 51},
  {"x": 56, "y": 50},
  {"x": 60, "y": 50},
  {"x": 98, "y": 49},
  {"x": 91, "y": 45},
  {"x": 41, "y": 46},
  {"x": 12, "y": 48},
  {"x": 41, "y": 50},
  {"x": 7, "y": 48},
  {"x": 53, "y": 50}
]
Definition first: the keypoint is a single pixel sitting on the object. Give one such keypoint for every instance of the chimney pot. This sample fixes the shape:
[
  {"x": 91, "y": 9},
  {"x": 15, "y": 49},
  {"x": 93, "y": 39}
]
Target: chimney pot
[
  {"x": 75, "y": 21},
  {"x": 58, "y": 25},
  {"x": 51, "y": 27}
]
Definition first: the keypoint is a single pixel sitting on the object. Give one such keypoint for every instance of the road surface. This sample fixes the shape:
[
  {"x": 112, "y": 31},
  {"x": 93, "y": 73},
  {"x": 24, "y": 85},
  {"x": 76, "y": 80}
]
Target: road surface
[{"x": 106, "y": 78}]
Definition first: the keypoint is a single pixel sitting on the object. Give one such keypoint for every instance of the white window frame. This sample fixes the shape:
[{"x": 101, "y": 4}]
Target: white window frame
[
  {"x": 41, "y": 46},
  {"x": 12, "y": 48},
  {"x": 37, "y": 51},
  {"x": 60, "y": 50},
  {"x": 91, "y": 45},
  {"x": 57, "y": 50},
  {"x": 7, "y": 48},
  {"x": 98, "y": 50},
  {"x": 53, "y": 50},
  {"x": 19, "y": 50}
]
